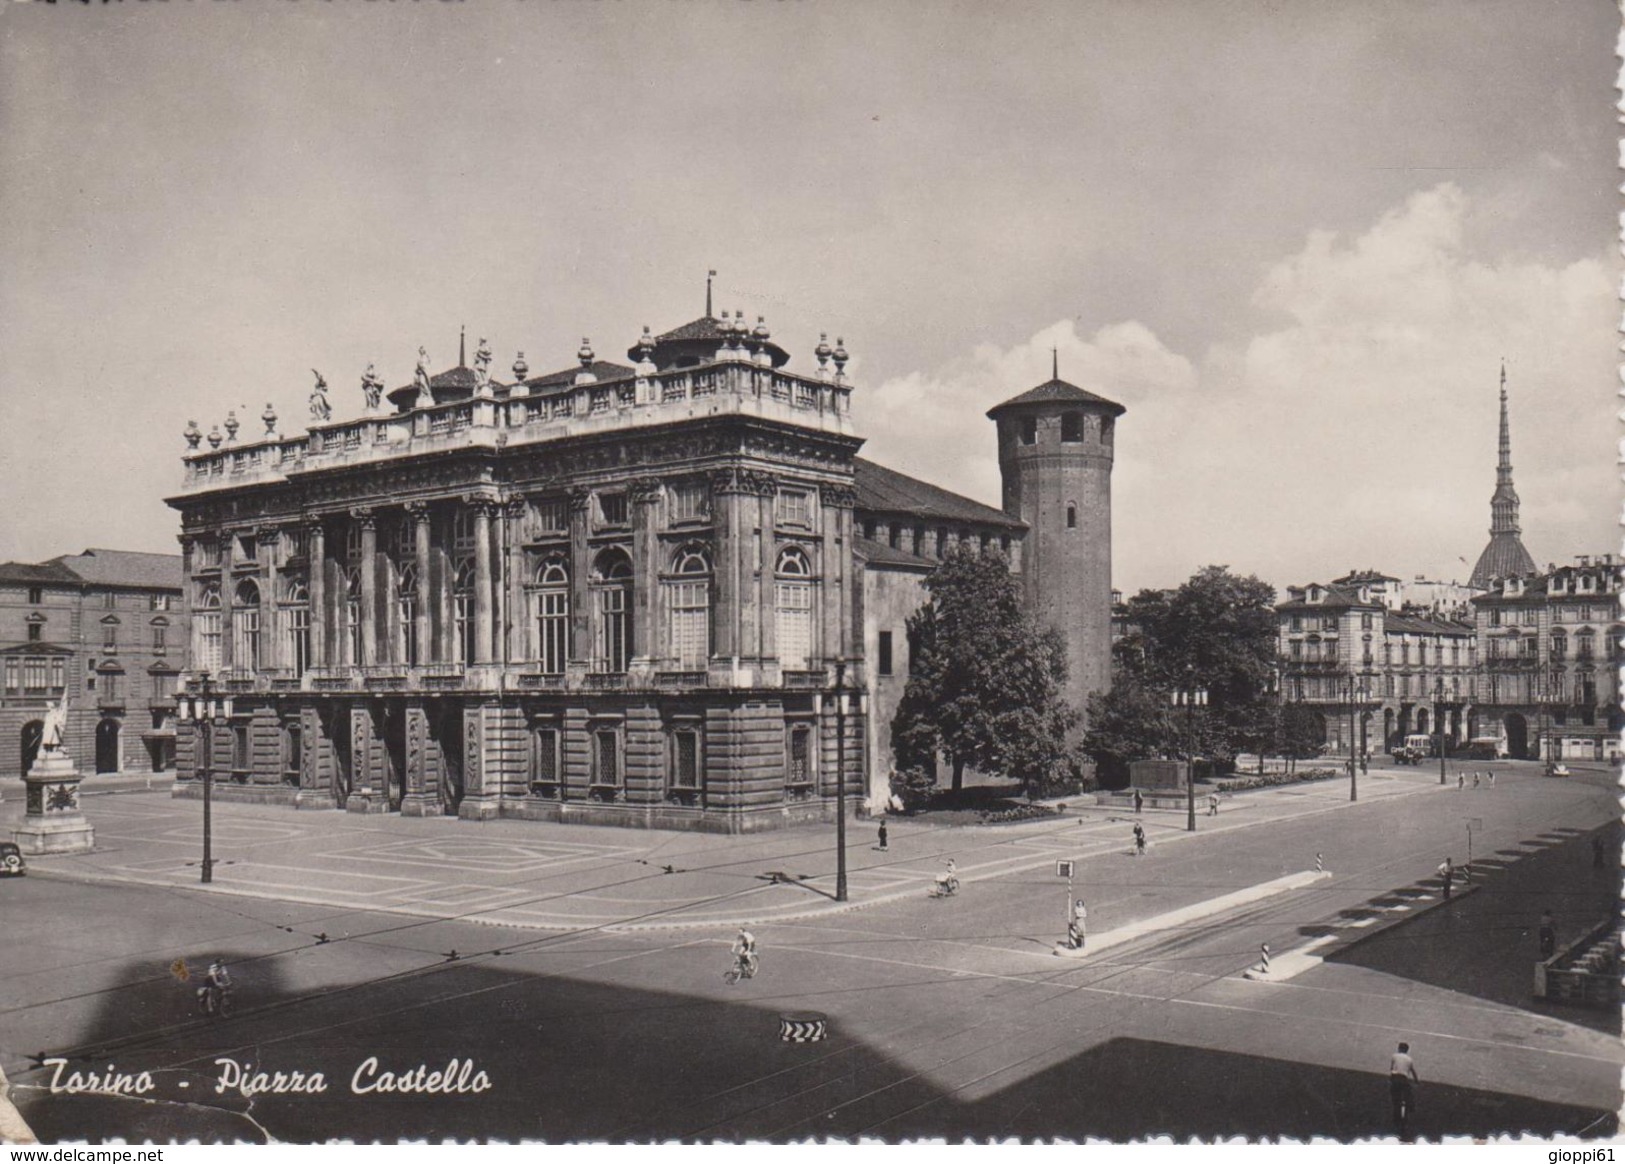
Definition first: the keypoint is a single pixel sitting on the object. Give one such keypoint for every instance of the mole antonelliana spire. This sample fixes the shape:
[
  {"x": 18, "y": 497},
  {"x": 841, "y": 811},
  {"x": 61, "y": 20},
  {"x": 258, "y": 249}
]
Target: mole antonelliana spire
[{"x": 1505, "y": 556}]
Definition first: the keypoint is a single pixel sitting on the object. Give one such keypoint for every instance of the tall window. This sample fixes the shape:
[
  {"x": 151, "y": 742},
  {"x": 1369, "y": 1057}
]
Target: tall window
[
  {"x": 36, "y": 631},
  {"x": 1071, "y": 516},
  {"x": 58, "y": 680},
  {"x": 293, "y": 751},
  {"x": 1560, "y": 644},
  {"x": 544, "y": 761},
  {"x": 552, "y": 515},
  {"x": 208, "y": 628},
  {"x": 160, "y": 631},
  {"x": 462, "y": 597},
  {"x": 685, "y": 761},
  {"x": 245, "y": 621},
  {"x": 1029, "y": 430},
  {"x": 612, "y": 594},
  {"x": 690, "y": 501},
  {"x": 798, "y": 771},
  {"x": 795, "y": 507},
  {"x": 296, "y": 623},
  {"x": 1584, "y": 645},
  {"x": 352, "y": 615},
  {"x": 612, "y": 508},
  {"x": 406, "y": 609},
  {"x": 109, "y": 636},
  {"x": 884, "y": 663},
  {"x": 793, "y": 605},
  {"x": 606, "y": 758},
  {"x": 12, "y": 679},
  {"x": 34, "y": 673},
  {"x": 551, "y": 601},
  {"x": 36, "y": 595},
  {"x": 688, "y": 602},
  {"x": 1071, "y": 427}
]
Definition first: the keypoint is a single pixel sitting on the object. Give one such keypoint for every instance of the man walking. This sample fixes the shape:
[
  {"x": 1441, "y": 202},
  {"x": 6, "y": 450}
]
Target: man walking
[
  {"x": 1139, "y": 840},
  {"x": 1448, "y": 872},
  {"x": 1213, "y": 804},
  {"x": 1077, "y": 928},
  {"x": 1492, "y": 779},
  {"x": 882, "y": 834},
  {"x": 1139, "y": 802},
  {"x": 1402, "y": 1081},
  {"x": 1461, "y": 781}
]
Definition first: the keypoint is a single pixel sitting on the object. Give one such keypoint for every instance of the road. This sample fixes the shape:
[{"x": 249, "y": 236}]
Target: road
[{"x": 948, "y": 1018}]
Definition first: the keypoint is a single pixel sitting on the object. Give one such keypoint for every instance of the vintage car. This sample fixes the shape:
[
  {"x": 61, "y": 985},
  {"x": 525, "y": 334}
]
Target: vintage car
[
  {"x": 11, "y": 860},
  {"x": 1557, "y": 769}
]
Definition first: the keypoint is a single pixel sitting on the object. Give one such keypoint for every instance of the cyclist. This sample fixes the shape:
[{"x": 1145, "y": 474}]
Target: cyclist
[
  {"x": 216, "y": 983},
  {"x": 744, "y": 952},
  {"x": 948, "y": 879},
  {"x": 1139, "y": 840}
]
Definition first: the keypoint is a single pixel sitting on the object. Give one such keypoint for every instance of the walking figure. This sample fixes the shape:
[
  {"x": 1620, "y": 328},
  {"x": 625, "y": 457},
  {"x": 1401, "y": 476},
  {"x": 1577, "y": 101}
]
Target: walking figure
[
  {"x": 1139, "y": 801},
  {"x": 1213, "y": 804},
  {"x": 1461, "y": 781},
  {"x": 1448, "y": 872},
  {"x": 1548, "y": 936},
  {"x": 1139, "y": 840},
  {"x": 1475, "y": 779},
  {"x": 1492, "y": 779},
  {"x": 1402, "y": 1081},
  {"x": 1077, "y": 928},
  {"x": 882, "y": 834}
]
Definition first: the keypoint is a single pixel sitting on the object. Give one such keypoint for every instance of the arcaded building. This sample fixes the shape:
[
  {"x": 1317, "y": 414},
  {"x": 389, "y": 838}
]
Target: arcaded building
[{"x": 662, "y": 593}]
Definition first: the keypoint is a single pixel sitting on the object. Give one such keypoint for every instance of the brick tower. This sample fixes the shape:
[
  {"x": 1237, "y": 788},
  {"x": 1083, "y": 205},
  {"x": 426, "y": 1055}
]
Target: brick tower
[{"x": 1055, "y": 456}]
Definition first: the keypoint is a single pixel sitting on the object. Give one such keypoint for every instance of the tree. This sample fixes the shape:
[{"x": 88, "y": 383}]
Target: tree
[
  {"x": 984, "y": 681},
  {"x": 1217, "y": 631}
]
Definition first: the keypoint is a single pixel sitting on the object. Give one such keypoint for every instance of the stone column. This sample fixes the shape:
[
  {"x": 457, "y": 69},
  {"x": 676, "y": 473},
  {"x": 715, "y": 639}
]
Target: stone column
[
  {"x": 228, "y": 603},
  {"x": 270, "y": 624},
  {"x": 189, "y": 598},
  {"x": 483, "y": 581},
  {"x": 646, "y": 570},
  {"x": 369, "y": 585},
  {"x": 316, "y": 587},
  {"x": 581, "y": 645},
  {"x": 419, "y": 511},
  {"x": 513, "y": 614},
  {"x": 836, "y": 632},
  {"x": 759, "y": 598},
  {"x": 729, "y": 564}
]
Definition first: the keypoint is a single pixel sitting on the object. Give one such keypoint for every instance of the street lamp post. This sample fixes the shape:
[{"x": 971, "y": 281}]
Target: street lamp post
[
  {"x": 200, "y": 708},
  {"x": 1190, "y": 698},
  {"x": 1438, "y": 721},
  {"x": 840, "y": 780},
  {"x": 1356, "y": 692}
]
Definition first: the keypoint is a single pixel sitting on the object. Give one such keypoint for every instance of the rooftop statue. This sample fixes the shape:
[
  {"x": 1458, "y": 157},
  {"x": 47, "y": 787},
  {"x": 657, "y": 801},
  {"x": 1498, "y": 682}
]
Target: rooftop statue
[
  {"x": 372, "y": 387},
  {"x": 482, "y": 364},
  {"x": 320, "y": 409},
  {"x": 421, "y": 378}
]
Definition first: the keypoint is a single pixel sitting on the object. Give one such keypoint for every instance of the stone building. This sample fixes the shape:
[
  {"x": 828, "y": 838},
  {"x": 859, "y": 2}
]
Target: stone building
[
  {"x": 1374, "y": 675},
  {"x": 1551, "y": 654},
  {"x": 619, "y": 593},
  {"x": 106, "y": 628}
]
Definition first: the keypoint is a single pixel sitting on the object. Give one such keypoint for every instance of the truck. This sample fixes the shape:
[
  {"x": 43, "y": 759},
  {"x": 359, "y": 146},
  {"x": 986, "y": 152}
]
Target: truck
[{"x": 1414, "y": 750}]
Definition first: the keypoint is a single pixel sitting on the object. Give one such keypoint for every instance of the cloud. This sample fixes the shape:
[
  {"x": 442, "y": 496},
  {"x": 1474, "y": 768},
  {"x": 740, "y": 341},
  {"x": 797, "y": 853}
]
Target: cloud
[{"x": 1354, "y": 426}]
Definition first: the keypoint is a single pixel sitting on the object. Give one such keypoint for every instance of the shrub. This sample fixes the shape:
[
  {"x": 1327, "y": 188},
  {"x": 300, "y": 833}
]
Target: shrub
[
  {"x": 913, "y": 786},
  {"x": 1273, "y": 779},
  {"x": 1019, "y": 812}
]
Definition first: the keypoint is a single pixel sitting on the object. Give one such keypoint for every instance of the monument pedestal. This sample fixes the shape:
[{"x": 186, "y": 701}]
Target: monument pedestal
[{"x": 52, "y": 822}]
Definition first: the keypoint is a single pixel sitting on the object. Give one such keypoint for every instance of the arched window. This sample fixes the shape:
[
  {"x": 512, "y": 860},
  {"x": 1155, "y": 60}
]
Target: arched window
[
  {"x": 551, "y": 609},
  {"x": 462, "y": 599},
  {"x": 688, "y": 606},
  {"x": 208, "y": 628},
  {"x": 296, "y": 624},
  {"x": 245, "y": 621},
  {"x": 612, "y": 601},
  {"x": 406, "y": 609},
  {"x": 352, "y": 616},
  {"x": 793, "y": 608}
]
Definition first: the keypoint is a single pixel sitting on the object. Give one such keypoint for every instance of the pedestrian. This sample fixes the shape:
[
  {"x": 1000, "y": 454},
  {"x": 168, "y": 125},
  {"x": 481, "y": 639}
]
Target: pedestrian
[
  {"x": 1402, "y": 1081},
  {"x": 1492, "y": 779},
  {"x": 882, "y": 834},
  {"x": 1139, "y": 802},
  {"x": 1448, "y": 871},
  {"x": 1475, "y": 779},
  {"x": 1548, "y": 936},
  {"x": 1077, "y": 928},
  {"x": 1139, "y": 840},
  {"x": 1461, "y": 781},
  {"x": 1213, "y": 804}
]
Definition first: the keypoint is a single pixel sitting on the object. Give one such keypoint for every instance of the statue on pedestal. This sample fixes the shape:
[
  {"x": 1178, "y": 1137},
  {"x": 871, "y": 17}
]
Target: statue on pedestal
[
  {"x": 56, "y": 725},
  {"x": 482, "y": 364},
  {"x": 421, "y": 379}
]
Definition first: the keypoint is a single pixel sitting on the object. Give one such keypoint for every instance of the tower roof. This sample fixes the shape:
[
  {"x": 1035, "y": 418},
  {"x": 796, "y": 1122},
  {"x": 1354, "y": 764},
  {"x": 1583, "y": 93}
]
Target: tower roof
[
  {"x": 1505, "y": 555},
  {"x": 1057, "y": 391}
]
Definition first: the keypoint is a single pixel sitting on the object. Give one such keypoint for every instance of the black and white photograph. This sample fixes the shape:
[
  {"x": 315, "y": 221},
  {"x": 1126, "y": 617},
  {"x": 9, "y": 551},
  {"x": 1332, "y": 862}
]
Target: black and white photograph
[{"x": 660, "y": 572}]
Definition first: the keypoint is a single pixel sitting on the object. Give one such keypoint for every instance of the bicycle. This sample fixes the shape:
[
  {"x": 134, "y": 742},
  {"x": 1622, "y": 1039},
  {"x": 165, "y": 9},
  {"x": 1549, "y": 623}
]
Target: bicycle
[
  {"x": 744, "y": 967},
  {"x": 214, "y": 1001},
  {"x": 946, "y": 886}
]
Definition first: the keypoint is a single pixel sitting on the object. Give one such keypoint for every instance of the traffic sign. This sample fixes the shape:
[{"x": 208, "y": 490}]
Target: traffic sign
[{"x": 1063, "y": 869}]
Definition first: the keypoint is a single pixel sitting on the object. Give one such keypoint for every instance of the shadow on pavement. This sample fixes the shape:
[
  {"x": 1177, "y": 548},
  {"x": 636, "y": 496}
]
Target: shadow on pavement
[
  {"x": 571, "y": 1060},
  {"x": 1486, "y": 944}
]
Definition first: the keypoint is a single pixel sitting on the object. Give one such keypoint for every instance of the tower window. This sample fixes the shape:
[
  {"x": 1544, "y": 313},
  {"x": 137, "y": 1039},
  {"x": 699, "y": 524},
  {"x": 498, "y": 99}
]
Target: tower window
[
  {"x": 1029, "y": 430},
  {"x": 885, "y": 653},
  {"x": 1071, "y": 516},
  {"x": 1072, "y": 427}
]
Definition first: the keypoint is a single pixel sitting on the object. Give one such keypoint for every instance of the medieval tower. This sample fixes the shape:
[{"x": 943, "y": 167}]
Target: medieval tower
[{"x": 1055, "y": 456}]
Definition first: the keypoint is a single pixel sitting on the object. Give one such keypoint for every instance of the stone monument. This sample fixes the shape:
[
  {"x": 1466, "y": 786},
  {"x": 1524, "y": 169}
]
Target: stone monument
[{"x": 52, "y": 822}]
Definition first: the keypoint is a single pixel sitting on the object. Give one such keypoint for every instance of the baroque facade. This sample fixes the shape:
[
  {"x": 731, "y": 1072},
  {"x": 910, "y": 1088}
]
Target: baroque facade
[
  {"x": 665, "y": 593},
  {"x": 106, "y": 629}
]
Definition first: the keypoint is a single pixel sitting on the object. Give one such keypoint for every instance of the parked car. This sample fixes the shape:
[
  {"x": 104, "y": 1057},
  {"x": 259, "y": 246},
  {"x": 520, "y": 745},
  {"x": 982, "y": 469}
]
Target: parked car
[
  {"x": 1556, "y": 769},
  {"x": 1405, "y": 754},
  {"x": 11, "y": 860}
]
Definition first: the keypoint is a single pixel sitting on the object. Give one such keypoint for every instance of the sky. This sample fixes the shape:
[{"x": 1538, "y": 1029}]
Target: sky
[{"x": 1295, "y": 240}]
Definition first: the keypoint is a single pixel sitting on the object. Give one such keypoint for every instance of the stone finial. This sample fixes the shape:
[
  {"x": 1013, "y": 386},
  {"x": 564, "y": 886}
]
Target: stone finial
[
  {"x": 520, "y": 368},
  {"x": 761, "y": 333},
  {"x": 232, "y": 425},
  {"x": 193, "y": 434},
  {"x": 840, "y": 357},
  {"x": 741, "y": 330},
  {"x": 645, "y": 350},
  {"x": 269, "y": 417},
  {"x": 214, "y": 437},
  {"x": 586, "y": 356},
  {"x": 759, "y": 336}
]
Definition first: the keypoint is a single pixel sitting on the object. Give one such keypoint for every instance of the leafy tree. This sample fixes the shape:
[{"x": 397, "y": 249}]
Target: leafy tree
[
  {"x": 984, "y": 681},
  {"x": 1303, "y": 733},
  {"x": 1217, "y": 631}
]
